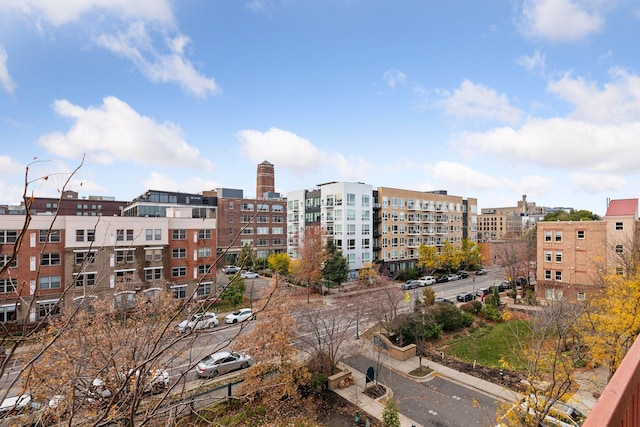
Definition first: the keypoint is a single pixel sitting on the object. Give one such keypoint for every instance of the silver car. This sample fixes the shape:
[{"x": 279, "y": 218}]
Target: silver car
[{"x": 222, "y": 362}]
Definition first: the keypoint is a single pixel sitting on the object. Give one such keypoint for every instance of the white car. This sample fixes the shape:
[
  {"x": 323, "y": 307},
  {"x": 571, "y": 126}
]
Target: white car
[
  {"x": 223, "y": 362},
  {"x": 248, "y": 275},
  {"x": 17, "y": 403},
  {"x": 239, "y": 316},
  {"x": 427, "y": 280},
  {"x": 198, "y": 321}
]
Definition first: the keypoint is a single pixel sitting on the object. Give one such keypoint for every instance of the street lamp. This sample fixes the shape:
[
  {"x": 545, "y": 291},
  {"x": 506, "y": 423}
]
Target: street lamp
[{"x": 357, "y": 322}]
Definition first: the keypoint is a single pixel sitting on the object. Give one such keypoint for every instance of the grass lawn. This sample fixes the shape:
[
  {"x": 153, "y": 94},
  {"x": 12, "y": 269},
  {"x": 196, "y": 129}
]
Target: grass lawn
[{"x": 488, "y": 344}]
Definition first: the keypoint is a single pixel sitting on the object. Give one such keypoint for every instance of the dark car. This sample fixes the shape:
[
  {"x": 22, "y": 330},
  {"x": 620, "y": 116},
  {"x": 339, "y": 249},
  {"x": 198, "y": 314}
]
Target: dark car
[
  {"x": 481, "y": 272},
  {"x": 442, "y": 279},
  {"x": 465, "y": 296},
  {"x": 463, "y": 274},
  {"x": 444, "y": 300}
]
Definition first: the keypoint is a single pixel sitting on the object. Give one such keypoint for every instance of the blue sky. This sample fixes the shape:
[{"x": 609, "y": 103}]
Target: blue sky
[{"x": 491, "y": 99}]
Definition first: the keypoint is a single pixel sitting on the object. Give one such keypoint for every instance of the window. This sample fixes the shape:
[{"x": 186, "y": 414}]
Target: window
[
  {"x": 49, "y": 236},
  {"x": 558, "y": 256},
  {"x": 85, "y": 279},
  {"x": 351, "y": 199},
  {"x": 277, "y": 230},
  {"x": 263, "y": 219},
  {"x": 558, "y": 276},
  {"x": 619, "y": 249},
  {"x": 263, "y": 242},
  {"x": 366, "y": 215},
  {"x": 277, "y": 208},
  {"x": 277, "y": 242},
  {"x": 580, "y": 234},
  {"x": 48, "y": 259},
  {"x": 552, "y": 293},
  {"x": 151, "y": 274},
  {"x": 581, "y": 296},
  {"x": 4, "y": 259},
  {"x": 351, "y": 229},
  {"x": 48, "y": 308},
  {"x": 547, "y": 256},
  {"x": 245, "y": 219},
  {"x": 120, "y": 235},
  {"x": 79, "y": 235},
  {"x": 153, "y": 254},
  {"x": 179, "y": 234},
  {"x": 247, "y": 230},
  {"x": 204, "y": 268},
  {"x": 619, "y": 271},
  {"x": 8, "y": 236},
  {"x": 179, "y": 253},
  {"x": 262, "y": 230},
  {"x": 129, "y": 235},
  {"x": 277, "y": 219},
  {"x": 179, "y": 292},
  {"x": 204, "y": 251},
  {"x": 124, "y": 276},
  {"x": 204, "y": 289},
  {"x": 366, "y": 229},
  {"x": 8, "y": 285},
  {"x": 84, "y": 257},
  {"x": 153, "y": 234},
  {"x": 204, "y": 234},
  {"x": 365, "y": 243},
  {"x": 8, "y": 313},
  {"x": 231, "y": 218},
  {"x": 91, "y": 235},
  {"x": 124, "y": 300},
  {"x": 49, "y": 282},
  {"x": 351, "y": 214},
  {"x": 351, "y": 244},
  {"x": 124, "y": 256},
  {"x": 179, "y": 271},
  {"x": 547, "y": 274},
  {"x": 262, "y": 207},
  {"x": 547, "y": 236},
  {"x": 365, "y": 201},
  {"x": 558, "y": 236},
  {"x": 246, "y": 207},
  {"x": 619, "y": 226}
]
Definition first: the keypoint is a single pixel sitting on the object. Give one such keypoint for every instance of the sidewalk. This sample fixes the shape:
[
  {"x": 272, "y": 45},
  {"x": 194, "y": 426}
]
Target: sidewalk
[{"x": 590, "y": 384}]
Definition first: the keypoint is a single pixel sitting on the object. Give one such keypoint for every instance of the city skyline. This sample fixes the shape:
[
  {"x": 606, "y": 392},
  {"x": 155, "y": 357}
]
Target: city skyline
[{"x": 489, "y": 101}]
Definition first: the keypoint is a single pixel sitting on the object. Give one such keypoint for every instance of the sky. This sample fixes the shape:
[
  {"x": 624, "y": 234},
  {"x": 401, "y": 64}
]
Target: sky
[{"x": 484, "y": 99}]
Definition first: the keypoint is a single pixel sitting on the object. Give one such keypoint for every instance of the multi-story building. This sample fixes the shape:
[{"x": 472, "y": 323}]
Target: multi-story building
[
  {"x": 71, "y": 204},
  {"x": 154, "y": 203},
  {"x": 258, "y": 223},
  {"x": 572, "y": 256},
  {"x": 497, "y": 224},
  {"x": 66, "y": 259},
  {"x": 405, "y": 219},
  {"x": 344, "y": 210}
]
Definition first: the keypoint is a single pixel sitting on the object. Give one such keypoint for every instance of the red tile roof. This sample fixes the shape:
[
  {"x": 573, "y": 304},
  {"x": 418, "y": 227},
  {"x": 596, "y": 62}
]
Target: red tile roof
[{"x": 623, "y": 207}]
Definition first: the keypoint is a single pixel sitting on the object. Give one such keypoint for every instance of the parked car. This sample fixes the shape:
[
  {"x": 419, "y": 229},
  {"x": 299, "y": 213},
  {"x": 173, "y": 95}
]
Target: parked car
[
  {"x": 465, "y": 296},
  {"x": 156, "y": 380},
  {"x": 230, "y": 269},
  {"x": 504, "y": 285},
  {"x": 427, "y": 280},
  {"x": 248, "y": 274},
  {"x": 559, "y": 414},
  {"x": 17, "y": 404},
  {"x": 481, "y": 272},
  {"x": 239, "y": 316},
  {"x": 442, "y": 279},
  {"x": 463, "y": 274},
  {"x": 482, "y": 292},
  {"x": 198, "y": 321},
  {"x": 222, "y": 362},
  {"x": 451, "y": 277},
  {"x": 444, "y": 300},
  {"x": 410, "y": 284}
]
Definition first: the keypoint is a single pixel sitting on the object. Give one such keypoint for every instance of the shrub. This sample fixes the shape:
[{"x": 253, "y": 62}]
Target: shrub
[
  {"x": 408, "y": 274},
  {"x": 449, "y": 316},
  {"x": 467, "y": 308},
  {"x": 491, "y": 312},
  {"x": 467, "y": 319},
  {"x": 530, "y": 298},
  {"x": 477, "y": 306},
  {"x": 390, "y": 417}
]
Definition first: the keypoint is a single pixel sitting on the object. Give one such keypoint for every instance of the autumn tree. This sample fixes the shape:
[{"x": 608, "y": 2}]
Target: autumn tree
[
  {"x": 279, "y": 263},
  {"x": 450, "y": 257},
  {"x": 470, "y": 253},
  {"x": 368, "y": 273},
  {"x": 312, "y": 256},
  {"x": 428, "y": 258}
]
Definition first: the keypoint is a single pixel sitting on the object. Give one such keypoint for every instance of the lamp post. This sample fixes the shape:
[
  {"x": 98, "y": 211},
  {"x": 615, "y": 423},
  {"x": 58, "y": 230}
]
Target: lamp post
[{"x": 357, "y": 322}]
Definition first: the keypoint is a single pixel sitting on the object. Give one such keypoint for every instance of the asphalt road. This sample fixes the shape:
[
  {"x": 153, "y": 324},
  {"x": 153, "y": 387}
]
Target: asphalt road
[
  {"x": 450, "y": 290},
  {"x": 437, "y": 402}
]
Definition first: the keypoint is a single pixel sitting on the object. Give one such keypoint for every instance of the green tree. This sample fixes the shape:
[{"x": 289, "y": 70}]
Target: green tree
[
  {"x": 494, "y": 298},
  {"x": 234, "y": 291},
  {"x": 572, "y": 215},
  {"x": 336, "y": 268},
  {"x": 428, "y": 258},
  {"x": 245, "y": 258},
  {"x": 390, "y": 416}
]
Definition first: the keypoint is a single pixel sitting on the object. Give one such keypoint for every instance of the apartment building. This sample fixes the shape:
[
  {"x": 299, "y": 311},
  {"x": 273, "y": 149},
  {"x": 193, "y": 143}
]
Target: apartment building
[
  {"x": 66, "y": 259},
  {"x": 497, "y": 224},
  {"x": 345, "y": 212},
  {"x": 405, "y": 219},
  {"x": 70, "y": 204},
  {"x": 573, "y": 255},
  {"x": 257, "y": 223}
]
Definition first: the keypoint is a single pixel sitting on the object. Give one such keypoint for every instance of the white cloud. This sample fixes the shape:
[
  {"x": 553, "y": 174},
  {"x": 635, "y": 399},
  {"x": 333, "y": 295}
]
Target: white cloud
[
  {"x": 169, "y": 183},
  {"x": 533, "y": 185},
  {"x": 353, "y": 168},
  {"x": 62, "y": 12},
  {"x": 8, "y": 166},
  {"x": 462, "y": 176},
  {"x": 535, "y": 62},
  {"x": 260, "y": 6},
  {"x": 394, "y": 78},
  {"x": 137, "y": 46},
  {"x": 563, "y": 143},
  {"x": 477, "y": 101},
  {"x": 596, "y": 183},
  {"x": 616, "y": 102},
  {"x": 283, "y": 148},
  {"x": 560, "y": 20},
  {"x": 116, "y": 132},
  {"x": 5, "y": 78}
]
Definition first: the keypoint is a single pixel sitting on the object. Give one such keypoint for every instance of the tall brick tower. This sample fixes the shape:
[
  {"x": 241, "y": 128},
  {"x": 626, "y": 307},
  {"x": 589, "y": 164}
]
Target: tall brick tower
[{"x": 265, "y": 179}]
